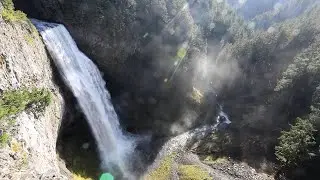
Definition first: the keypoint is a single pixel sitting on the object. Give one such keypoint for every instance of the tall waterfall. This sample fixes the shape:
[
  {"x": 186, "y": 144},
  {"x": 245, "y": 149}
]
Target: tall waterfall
[{"x": 86, "y": 83}]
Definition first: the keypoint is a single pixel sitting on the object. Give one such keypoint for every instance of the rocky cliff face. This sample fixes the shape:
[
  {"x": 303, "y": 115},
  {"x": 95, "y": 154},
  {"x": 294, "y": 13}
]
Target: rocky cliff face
[
  {"x": 148, "y": 49},
  {"x": 30, "y": 150}
]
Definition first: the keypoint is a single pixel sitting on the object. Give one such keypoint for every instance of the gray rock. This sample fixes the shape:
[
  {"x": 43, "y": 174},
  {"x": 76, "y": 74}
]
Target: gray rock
[{"x": 32, "y": 150}]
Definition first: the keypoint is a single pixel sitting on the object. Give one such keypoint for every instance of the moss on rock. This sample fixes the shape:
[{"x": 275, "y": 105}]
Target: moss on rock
[
  {"x": 4, "y": 138},
  {"x": 9, "y": 14},
  {"x": 192, "y": 172},
  {"x": 16, "y": 101},
  {"x": 13, "y": 102},
  {"x": 163, "y": 172}
]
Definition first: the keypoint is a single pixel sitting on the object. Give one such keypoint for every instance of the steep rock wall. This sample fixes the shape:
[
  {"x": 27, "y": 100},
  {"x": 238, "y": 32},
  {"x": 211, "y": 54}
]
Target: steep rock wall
[
  {"x": 30, "y": 152},
  {"x": 147, "y": 48}
]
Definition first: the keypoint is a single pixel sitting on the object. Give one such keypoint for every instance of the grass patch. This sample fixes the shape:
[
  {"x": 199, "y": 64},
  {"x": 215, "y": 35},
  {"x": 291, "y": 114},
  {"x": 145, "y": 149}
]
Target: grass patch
[
  {"x": 9, "y": 14},
  {"x": 13, "y": 102},
  {"x": 163, "y": 172},
  {"x": 192, "y": 172}
]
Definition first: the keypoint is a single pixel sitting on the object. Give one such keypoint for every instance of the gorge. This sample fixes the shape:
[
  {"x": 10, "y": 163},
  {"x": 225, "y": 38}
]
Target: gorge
[{"x": 177, "y": 72}]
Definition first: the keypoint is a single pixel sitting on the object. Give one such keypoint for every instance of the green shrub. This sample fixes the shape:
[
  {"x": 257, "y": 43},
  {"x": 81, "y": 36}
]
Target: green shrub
[
  {"x": 12, "y": 16},
  {"x": 295, "y": 144},
  {"x": 9, "y": 14},
  {"x": 4, "y": 138},
  {"x": 13, "y": 102}
]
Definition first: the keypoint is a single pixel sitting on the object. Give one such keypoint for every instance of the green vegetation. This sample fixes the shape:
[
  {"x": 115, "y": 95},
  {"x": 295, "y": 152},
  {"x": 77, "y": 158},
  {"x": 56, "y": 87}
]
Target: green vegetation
[
  {"x": 279, "y": 80},
  {"x": 264, "y": 71},
  {"x": 16, "y": 146},
  {"x": 21, "y": 154},
  {"x": 13, "y": 102},
  {"x": 196, "y": 95},
  {"x": 305, "y": 63},
  {"x": 193, "y": 172},
  {"x": 182, "y": 52},
  {"x": 294, "y": 146},
  {"x": 79, "y": 177},
  {"x": 9, "y": 14},
  {"x": 29, "y": 38},
  {"x": 164, "y": 170},
  {"x": 4, "y": 138},
  {"x": 12, "y": 16},
  {"x": 301, "y": 143}
]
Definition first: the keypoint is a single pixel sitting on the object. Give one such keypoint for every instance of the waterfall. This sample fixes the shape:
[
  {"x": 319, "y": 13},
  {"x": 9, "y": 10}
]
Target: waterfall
[{"x": 85, "y": 81}]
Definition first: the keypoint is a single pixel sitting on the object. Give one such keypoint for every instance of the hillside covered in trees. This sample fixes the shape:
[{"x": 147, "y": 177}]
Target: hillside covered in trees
[{"x": 273, "y": 100}]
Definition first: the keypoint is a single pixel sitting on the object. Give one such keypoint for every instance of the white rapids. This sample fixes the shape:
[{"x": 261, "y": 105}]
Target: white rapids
[{"x": 84, "y": 79}]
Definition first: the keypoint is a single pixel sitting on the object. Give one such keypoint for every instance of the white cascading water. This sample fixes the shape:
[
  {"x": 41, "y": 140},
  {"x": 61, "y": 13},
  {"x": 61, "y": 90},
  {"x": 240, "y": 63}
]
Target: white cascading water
[{"x": 84, "y": 79}]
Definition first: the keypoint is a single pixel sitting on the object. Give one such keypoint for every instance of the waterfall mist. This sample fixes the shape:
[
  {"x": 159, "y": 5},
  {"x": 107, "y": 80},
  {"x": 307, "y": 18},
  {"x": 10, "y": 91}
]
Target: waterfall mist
[{"x": 84, "y": 79}]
